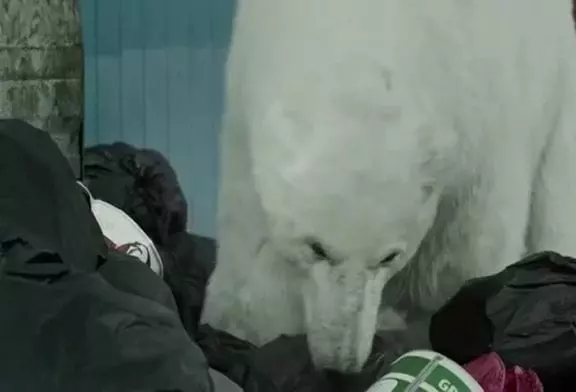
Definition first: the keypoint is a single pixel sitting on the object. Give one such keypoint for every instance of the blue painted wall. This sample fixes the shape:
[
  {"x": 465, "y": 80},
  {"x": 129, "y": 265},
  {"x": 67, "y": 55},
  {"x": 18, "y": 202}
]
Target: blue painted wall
[{"x": 154, "y": 78}]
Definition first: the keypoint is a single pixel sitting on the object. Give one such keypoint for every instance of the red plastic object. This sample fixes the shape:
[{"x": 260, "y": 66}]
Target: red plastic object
[{"x": 492, "y": 375}]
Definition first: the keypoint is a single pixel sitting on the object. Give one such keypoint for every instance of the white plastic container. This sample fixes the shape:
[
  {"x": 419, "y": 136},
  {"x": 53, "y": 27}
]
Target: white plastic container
[{"x": 426, "y": 371}]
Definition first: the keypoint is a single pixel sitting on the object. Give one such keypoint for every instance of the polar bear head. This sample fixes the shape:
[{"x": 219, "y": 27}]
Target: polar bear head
[{"x": 348, "y": 203}]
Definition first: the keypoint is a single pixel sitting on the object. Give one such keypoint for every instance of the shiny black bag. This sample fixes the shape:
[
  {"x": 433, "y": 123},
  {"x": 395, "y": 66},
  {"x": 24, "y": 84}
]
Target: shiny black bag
[{"x": 526, "y": 314}]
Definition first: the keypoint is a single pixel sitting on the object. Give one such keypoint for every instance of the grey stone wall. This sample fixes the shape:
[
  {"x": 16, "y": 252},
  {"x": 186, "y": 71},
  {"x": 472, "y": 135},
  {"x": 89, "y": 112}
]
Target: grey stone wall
[{"x": 41, "y": 68}]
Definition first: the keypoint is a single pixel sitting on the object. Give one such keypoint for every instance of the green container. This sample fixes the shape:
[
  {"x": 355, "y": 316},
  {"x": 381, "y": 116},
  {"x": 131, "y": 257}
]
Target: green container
[{"x": 426, "y": 371}]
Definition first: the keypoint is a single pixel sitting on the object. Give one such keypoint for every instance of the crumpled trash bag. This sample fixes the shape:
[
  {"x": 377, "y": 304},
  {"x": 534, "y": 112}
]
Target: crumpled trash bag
[
  {"x": 283, "y": 365},
  {"x": 143, "y": 184},
  {"x": 77, "y": 317},
  {"x": 493, "y": 376},
  {"x": 140, "y": 182},
  {"x": 526, "y": 314}
]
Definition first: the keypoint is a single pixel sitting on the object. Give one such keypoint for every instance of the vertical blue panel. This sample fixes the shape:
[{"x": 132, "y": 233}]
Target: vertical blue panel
[
  {"x": 89, "y": 15},
  {"x": 154, "y": 73},
  {"x": 203, "y": 149},
  {"x": 223, "y": 11},
  {"x": 180, "y": 109},
  {"x": 132, "y": 72},
  {"x": 108, "y": 70}
]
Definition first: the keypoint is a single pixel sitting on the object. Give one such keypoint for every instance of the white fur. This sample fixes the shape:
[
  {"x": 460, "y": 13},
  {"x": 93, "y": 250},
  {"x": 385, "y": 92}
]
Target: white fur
[{"x": 441, "y": 129}]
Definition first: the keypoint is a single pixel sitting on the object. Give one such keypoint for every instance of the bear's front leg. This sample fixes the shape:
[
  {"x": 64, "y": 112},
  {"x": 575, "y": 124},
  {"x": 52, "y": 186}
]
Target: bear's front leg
[
  {"x": 479, "y": 230},
  {"x": 553, "y": 213}
]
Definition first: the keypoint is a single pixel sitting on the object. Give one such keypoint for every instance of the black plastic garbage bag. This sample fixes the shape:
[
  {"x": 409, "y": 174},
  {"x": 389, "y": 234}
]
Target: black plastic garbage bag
[
  {"x": 189, "y": 262},
  {"x": 142, "y": 183},
  {"x": 283, "y": 365},
  {"x": 74, "y": 317},
  {"x": 526, "y": 314}
]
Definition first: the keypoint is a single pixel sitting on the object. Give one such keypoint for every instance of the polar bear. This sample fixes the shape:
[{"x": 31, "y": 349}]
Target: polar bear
[{"x": 378, "y": 153}]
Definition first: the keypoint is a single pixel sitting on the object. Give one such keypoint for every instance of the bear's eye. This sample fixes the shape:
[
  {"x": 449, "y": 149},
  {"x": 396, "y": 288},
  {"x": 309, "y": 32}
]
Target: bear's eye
[
  {"x": 319, "y": 251},
  {"x": 390, "y": 257}
]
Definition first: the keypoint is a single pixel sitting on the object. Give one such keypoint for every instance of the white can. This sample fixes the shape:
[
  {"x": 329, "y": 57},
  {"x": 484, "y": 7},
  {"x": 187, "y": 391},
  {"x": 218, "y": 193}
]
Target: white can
[{"x": 426, "y": 371}]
